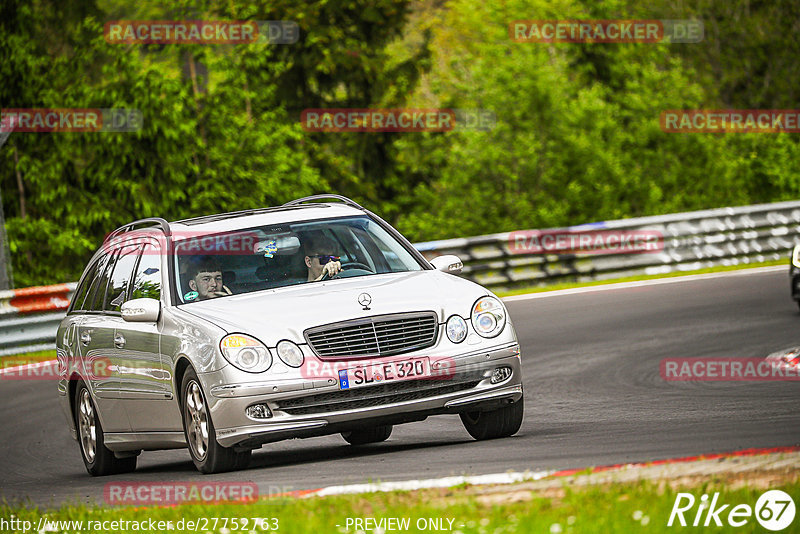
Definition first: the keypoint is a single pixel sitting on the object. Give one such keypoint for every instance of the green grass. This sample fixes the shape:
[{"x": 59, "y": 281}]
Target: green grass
[
  {"x": 27, "y": 357},
  {"x": 570, "y": 285},
  {"x": 639, "y": 507}
]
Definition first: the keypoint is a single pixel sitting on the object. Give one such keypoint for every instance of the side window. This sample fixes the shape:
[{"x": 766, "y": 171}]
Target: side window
[
  {"x": 390, "y": 256},
  {"x": 99, "y": 283},
  {"x": 147, "y": 282},
  {"x": 119, "y": 282},
  {"x": 80, "y": 293},
  {"x": 342, "y": 240},
  {"x": 375, "y": 253}
]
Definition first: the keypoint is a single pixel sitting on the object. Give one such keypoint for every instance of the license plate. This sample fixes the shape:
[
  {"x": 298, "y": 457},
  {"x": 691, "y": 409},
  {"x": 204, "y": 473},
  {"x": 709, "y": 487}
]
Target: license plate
[{"x": 380, "y": 372}]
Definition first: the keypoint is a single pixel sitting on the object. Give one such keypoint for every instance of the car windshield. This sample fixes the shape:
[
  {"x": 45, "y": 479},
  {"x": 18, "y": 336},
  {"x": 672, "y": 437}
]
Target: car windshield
[{"x": 273, "y": 256}]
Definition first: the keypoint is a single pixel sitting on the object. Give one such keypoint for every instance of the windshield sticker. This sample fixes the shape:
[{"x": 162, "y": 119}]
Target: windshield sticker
[
  {"x": 269, "y": 248},
  {"x": 151, "y": 270},
  {"x": 191, "y": 295}
]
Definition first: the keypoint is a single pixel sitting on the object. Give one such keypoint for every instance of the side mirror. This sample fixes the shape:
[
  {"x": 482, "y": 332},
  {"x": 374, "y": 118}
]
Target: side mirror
[
  {"x": 448, "y": 263},
  {"x": 142, "y": 310}
]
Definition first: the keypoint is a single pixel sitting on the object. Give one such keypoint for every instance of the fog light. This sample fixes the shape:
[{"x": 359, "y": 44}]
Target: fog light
[
  {"x": 500, "y": 374},
  {"x": 258, "y": 411},
  {"x": 456, "y": 329}
]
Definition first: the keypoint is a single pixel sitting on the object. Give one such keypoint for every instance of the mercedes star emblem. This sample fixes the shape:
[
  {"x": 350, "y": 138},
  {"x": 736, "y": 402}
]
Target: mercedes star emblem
[{"x": 365, "y": 300}]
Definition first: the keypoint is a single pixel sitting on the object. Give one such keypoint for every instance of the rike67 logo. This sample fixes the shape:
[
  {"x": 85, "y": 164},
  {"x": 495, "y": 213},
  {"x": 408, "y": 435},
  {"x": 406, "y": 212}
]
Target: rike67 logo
[{"x": 774, "y": 510}]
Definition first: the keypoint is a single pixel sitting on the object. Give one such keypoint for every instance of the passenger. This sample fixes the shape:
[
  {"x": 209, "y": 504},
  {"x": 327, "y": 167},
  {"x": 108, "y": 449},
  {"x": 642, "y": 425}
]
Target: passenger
[
  {"x": 205, "y": 278},
  {"x": 321, "y": 258}
]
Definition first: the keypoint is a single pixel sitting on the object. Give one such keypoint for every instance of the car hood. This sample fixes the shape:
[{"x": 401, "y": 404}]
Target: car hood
[{"x": 284, "y": 313}]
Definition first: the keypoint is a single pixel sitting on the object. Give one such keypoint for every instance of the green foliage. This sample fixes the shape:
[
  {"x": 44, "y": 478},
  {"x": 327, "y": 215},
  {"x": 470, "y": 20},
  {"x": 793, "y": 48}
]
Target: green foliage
[{"x": 577, "y": 137}]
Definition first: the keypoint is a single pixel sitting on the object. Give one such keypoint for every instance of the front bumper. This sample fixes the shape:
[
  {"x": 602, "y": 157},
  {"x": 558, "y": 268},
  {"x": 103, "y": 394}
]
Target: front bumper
[{"x": 306, "y": 408}]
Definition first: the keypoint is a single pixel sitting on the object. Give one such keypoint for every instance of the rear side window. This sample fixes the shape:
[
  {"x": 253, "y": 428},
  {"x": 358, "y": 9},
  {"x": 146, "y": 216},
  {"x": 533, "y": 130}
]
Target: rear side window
[
  {"x": 120, "y": 279},
  {"x": 80, "y": 293},
  {"x": 147, "y": 282},
  {"x": 99, "y": 284}
]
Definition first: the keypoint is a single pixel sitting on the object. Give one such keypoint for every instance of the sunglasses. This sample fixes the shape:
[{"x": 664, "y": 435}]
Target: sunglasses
[{"x": 324, "y": 258}]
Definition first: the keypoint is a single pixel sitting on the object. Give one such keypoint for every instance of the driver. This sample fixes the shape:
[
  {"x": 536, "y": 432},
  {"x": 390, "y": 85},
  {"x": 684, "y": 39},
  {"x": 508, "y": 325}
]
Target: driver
[
  {"x": 321, "y": 258},
  {"x": 205, "y": 280}
]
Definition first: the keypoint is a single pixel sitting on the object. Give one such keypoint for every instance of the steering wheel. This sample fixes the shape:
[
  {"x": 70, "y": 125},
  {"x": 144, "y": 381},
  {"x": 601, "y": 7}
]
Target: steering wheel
[{"x": 347, "y": 266}]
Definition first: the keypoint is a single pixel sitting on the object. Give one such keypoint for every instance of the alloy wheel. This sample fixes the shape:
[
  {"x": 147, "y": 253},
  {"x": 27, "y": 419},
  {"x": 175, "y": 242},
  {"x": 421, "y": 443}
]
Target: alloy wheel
[
  {"x": 87, "y": 426},
  {"x": 197, "y": 427}
]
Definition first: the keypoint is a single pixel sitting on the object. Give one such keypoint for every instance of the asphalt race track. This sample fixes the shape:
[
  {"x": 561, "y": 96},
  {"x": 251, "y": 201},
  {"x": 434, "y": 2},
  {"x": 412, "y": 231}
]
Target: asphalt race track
[{"x": 593, "y": 396}]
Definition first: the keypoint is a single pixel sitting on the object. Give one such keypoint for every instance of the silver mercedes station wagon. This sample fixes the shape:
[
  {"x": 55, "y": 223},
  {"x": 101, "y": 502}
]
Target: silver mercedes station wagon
[{"x": 225, "y": 332}]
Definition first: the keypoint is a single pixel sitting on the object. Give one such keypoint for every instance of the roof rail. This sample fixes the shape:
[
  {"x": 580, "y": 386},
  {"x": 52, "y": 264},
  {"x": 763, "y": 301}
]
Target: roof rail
[
  {"x": 340, "y": 198},
  {"x": 153, "y": 221}
]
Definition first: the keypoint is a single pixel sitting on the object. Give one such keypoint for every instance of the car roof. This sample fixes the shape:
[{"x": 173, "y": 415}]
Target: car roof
[{"x": 225, "y": 222}]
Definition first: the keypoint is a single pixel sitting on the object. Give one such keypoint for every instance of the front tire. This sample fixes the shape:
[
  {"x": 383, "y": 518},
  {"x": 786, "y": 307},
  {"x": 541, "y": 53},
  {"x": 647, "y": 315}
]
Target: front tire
[
  {"x": 368, "y": 435},
  {"x": 98, "y": 459},
  {"x": 500, "y": 423},
  {"x": 208, "y": 455}
]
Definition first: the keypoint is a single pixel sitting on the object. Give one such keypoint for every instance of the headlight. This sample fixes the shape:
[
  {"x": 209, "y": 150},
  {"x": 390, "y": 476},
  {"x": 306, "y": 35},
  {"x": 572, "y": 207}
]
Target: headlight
[
  {"x": 246, "y": 353},
  {"x": 488, "y": 317},
  {"x": 456, "y": 329},
  {"x": 796, "y": 256},
  {"x": 290, "y": 354}
]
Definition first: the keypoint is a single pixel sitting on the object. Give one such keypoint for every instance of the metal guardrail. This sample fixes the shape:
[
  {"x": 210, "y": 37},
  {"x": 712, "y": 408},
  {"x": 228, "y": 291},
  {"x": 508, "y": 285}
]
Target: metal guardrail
[
  {"x": 689, "y": 241},
  {"x": 29, "y": 317}
]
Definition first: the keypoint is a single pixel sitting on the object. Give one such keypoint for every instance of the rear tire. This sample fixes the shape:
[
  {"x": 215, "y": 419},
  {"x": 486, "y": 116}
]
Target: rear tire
[
  {"x": 98, "y": 459},
  {"x": 499, "y": 423},
  {"x": 208, "y": 455},
  {"x": 368, "y": 435}
]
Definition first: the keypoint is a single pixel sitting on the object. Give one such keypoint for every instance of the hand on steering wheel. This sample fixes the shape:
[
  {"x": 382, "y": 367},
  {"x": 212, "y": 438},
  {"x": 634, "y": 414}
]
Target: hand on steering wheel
[
  {"x": 349, "y": 265},
  {"x": 329, "y": 270}
]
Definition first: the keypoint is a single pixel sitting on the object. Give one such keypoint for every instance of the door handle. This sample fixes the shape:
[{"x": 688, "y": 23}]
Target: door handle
[
  {"x": 86, "y": 338},
  {"x": 119, "y": 341}
]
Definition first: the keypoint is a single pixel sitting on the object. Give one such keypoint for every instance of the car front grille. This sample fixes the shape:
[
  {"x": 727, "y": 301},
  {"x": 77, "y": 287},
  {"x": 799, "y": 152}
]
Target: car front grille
[
  {"x": 375, "y": 396},
  {"x": 382, "y": 335}
]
